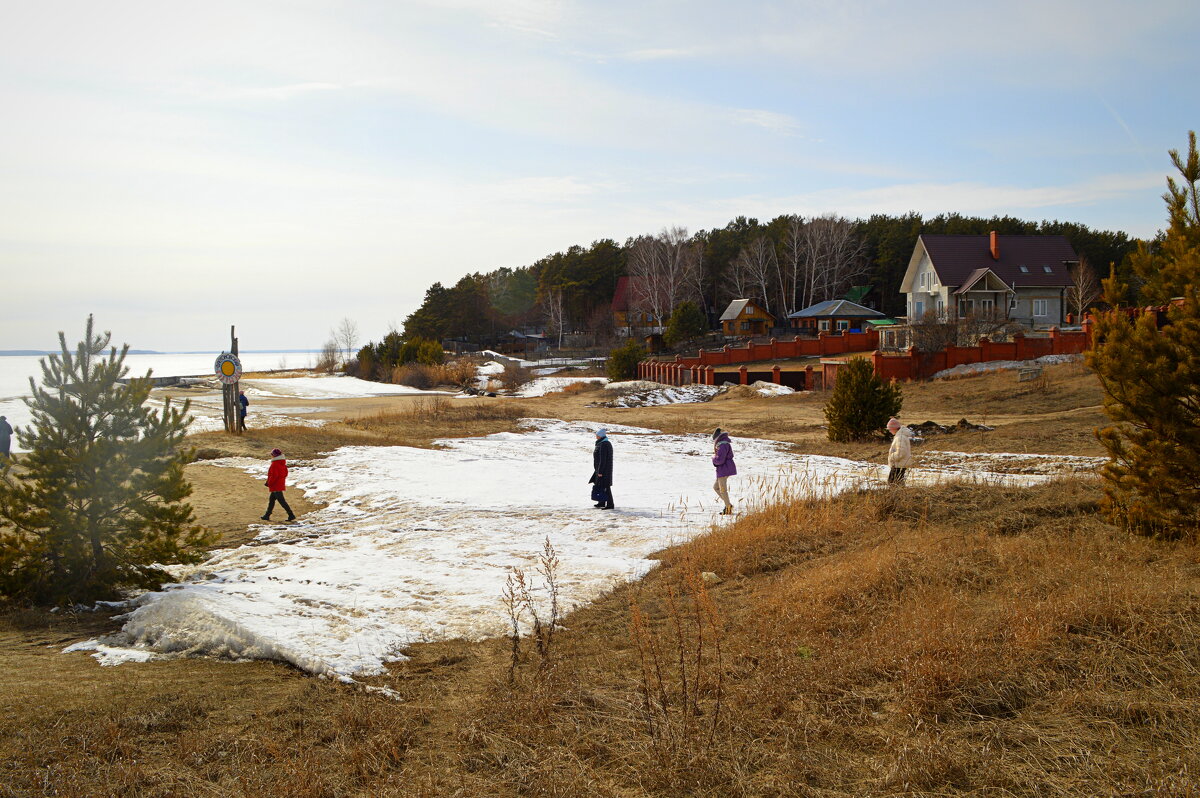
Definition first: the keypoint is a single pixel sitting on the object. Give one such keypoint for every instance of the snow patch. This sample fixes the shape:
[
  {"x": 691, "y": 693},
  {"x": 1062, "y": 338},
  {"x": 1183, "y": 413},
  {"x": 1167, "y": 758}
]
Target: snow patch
[
  {"x": 544, "y": 385},
  {"x": 416, "y": 544},
  {"x": 994, "y": 365},
  {"x": 331, "y": 387}
]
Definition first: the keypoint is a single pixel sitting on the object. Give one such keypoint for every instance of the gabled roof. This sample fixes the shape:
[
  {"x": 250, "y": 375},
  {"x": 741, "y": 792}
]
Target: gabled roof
[
  {"x": 621, "y": 294},
  {"x": 957, "y": 258},
  {"x": 735, "y": 309},
  {"x": 980, "y": 275},
  {"x": 839, "y": 308}
]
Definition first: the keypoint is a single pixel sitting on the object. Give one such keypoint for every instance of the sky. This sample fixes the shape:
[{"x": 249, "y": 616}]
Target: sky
[{"x": 175, "y": 168}]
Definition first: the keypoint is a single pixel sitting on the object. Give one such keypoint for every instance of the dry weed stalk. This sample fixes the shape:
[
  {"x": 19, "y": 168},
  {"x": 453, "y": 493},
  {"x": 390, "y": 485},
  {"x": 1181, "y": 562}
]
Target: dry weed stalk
[
  {"x": 518, "y": 601},
  {"x": 692, "y": 618}
]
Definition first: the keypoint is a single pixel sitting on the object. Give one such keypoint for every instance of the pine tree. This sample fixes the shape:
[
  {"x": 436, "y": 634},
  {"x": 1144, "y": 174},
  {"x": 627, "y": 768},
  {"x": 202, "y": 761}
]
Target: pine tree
[
  {"x": 861, "y": 402},
  {"x": 622, "y": 361},
  {"x": 98, "y": 502},
  {"x": 1151, "y": 378},
  {"x": 687, "y": 323}
]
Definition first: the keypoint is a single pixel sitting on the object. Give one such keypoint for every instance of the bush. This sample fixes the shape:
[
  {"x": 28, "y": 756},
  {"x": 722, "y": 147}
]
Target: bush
[
  {"x": 414, "y": 375},
  {"x": 514, "y": 376},
  {"x": 459, "y": 373},
  {"x": 421, "y": 350},
  {"x": 622, "y": 362},
  {"x": 99, "y": 505},
  {"x": 861, "y": 403}
]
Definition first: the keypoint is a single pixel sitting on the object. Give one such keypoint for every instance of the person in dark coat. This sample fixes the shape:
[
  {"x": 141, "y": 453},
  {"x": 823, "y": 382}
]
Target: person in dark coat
[
  {"x": 6, "y": 432},
  {"x": 243, "y": 403},
  {"x": 602, "y": 464},
  {"x": 277, "y": 483}
]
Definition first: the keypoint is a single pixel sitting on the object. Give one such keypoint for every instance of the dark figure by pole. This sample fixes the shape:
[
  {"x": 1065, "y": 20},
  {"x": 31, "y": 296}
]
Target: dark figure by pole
[
  {"x": 277, "y": 484},
  {"x": 6, "y": 432},
  {"x": 243, "y": 403},
  {"x": 602, "y": 464}
]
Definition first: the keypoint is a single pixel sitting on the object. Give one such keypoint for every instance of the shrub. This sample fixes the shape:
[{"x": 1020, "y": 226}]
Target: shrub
[
  {"x": 514, "y": 376},
  {"x": 414, "y": 375},
  {"x": 622, "y": 361},
  {"x": 421, "y": 350},
  {"x": 99, "y": 505},
  {"x": 459, "y": 373},
  {"x": 861, "y": 403}
]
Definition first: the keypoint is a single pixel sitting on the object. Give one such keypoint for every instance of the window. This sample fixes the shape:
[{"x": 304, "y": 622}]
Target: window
[
  {"x": 924, "y": 280},
  {"x": 920, "y": 309},
  {"x": 940, "y": 308},
  {"x": 1024, "y": 269},
  {"x": 1039, "y": 307},
  {"x": 843, "y": 325},
  {"x": 986, "y": 306},
  {"x": 746, "y": 325},
  {"x": 823, "y": 324}
]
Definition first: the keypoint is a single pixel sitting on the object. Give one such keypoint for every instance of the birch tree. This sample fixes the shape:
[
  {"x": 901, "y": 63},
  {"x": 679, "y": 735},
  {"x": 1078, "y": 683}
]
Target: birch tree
[{"x": 1084, "y": 290}]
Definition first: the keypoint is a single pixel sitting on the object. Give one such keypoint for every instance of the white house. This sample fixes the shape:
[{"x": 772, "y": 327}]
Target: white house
[{"x": 1023, "y": 277}]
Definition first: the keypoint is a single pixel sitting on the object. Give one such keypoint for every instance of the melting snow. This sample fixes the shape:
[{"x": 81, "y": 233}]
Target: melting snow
[{"x": 416, "y": 544}]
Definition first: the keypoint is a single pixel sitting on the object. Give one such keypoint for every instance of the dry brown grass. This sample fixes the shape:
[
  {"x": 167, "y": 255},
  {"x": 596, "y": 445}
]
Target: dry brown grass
[{"x": 917, "y": 641}]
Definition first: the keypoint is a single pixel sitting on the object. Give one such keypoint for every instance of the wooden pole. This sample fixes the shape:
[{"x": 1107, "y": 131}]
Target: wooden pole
[{"x": 236, "y": 388}]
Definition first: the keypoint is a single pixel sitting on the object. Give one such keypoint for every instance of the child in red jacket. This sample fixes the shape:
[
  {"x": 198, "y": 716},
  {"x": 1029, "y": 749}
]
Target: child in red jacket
[{"x": 277, "y": 484}]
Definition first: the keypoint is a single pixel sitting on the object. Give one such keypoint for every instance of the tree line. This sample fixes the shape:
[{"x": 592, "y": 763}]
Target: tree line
[{"x": 786, "y": 264}]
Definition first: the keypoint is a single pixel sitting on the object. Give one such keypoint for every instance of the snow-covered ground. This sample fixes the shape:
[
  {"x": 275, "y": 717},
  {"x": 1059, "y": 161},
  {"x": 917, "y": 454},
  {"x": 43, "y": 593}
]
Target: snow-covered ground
[
  {"x": 416, "y": 544},
  {"x": 995, "y": 365},
  {"x": 544, "y": 385},
  {"x": 331, "y": 387},
  {"x": 644, "y": 393}
]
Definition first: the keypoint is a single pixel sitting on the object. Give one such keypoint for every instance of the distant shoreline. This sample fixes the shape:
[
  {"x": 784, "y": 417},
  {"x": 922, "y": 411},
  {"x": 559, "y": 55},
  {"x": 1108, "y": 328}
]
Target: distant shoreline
[{"x": 44, "y": 352}]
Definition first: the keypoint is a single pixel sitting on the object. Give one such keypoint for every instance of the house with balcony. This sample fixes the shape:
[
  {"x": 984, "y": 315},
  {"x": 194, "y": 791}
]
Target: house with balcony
[{"x": 1021, "y": 278}]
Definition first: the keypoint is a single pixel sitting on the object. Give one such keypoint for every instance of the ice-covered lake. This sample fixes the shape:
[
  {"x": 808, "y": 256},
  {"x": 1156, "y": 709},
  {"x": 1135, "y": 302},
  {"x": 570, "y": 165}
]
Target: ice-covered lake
[{"x": 15, "y": 371}]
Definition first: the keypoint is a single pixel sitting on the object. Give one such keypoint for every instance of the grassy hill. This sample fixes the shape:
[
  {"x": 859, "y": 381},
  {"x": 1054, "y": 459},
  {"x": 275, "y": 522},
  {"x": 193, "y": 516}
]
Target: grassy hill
[{"x": 958, "y": 640}]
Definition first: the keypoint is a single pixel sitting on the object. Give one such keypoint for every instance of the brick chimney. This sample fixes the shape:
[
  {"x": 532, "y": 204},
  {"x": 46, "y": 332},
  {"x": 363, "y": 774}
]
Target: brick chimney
[{"x": 995, "y": 246}]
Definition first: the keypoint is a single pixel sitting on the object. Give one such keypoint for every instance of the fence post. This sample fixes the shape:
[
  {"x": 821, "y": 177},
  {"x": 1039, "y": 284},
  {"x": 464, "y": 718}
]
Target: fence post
[
  {"x": 710, "y": 375},
  {"x": 1053, "y": 341},
  {"x": 985, "y": 349},
  {"x": 775, "y": 378},
  {"x": 743, "y": 379}
]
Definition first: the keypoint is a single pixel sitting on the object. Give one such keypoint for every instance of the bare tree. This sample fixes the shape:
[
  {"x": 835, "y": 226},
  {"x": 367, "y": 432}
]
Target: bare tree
[
  {"x": 346, "y": 336},
  {"x": 555, "y": 310},
  {"x": 792, "y": 287},
  {"x": 934, "y": 331},
  {"x": 834, "y": 257},
  {"x": 758, "y": 264},
  {"x": 1084, "y": 290},
  {"x": 664, "y": 270}
]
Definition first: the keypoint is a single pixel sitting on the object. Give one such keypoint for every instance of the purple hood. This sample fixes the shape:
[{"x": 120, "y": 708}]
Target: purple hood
[{"x": 723, "y": 458}]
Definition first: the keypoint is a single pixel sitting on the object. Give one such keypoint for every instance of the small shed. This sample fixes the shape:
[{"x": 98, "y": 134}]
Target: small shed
[
  {"x": 834, "y": 315},
  {"x": 745, "y": 317}
]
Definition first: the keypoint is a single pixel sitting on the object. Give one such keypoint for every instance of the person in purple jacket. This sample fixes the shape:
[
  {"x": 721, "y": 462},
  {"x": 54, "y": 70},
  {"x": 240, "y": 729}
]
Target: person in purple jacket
[{"x": 723, "y": 460}]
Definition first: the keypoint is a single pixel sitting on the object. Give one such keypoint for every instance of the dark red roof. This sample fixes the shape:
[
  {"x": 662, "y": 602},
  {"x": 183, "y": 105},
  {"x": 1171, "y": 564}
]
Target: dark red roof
[
  {"x": 956, "y": 257},
  {"x": 621, "y": 295}
]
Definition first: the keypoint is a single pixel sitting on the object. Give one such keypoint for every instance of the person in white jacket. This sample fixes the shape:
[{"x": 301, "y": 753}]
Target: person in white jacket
[{"x": 900, "y": 455}]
